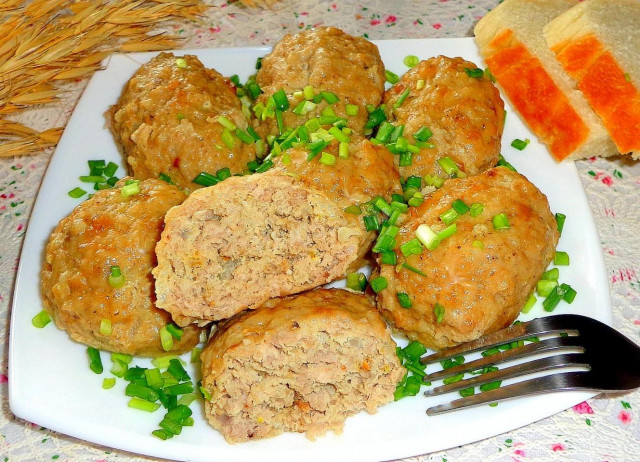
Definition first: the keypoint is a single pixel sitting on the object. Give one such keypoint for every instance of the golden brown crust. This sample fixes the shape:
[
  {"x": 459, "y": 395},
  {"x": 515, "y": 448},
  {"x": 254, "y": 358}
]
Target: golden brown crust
[
  {"x": 166, "y": 121},
  {"x": 105, "y": 231},
  {"x": 465, "y": 114},
  {"x": 482, "y": 287}
]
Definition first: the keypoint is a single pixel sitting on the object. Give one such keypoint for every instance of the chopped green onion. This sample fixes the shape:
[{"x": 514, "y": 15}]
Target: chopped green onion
[
  {"x": 449, "y": 216},
  {"x": 143, "y": 405},
  {"x": 131, "y": 188},
  {"x": 544, "y": 287},
  {"x": 166, "y": 339},
  {"x": 280, "y": 99},
  {"x": 447, "y": 232},
  {"x": 569, "y": 293},
  {"x": 561, "y": 258},
  {"x": 439, "y": 310},
  {"x": 519, "y": 144},
  {"x": 423, "y": 134},
  {"x": 370, "y": 222},
  {"x": 400, "y": 100},
  {"x": 376, "y": 117},
  {"x": 41, "y": 319},
  {"x": 108, "y": 383},
  {"x": 413, "y": 269},
  {"x": 416, "y": 200},
  {"x": 163, "y": 435},
  {"x": 448, "y": 165},
  {"x": 500, "y": 221},
  {"x": 551, "y": 275},
  {"x": 560, "y": 219},
  {"x": 154, "y": 378},
  {"x": 205, "y": 179},
  {"x": 343, "y": 150},
  {"x": 175, "y": 368},
  {"x": 412, "y": 247},
  {"x": 164, "y": 362},
  {"x": 244, "y": 136},
  {"x": 475, "y": 73},
  {"x": 531, "y": 301},
  {"x": 427, "y": 237},
  {"x": 378, "y": 284},
  {"x": 96, "y": 167},
  {"x": 329, "y": 97},
  {"x": 411, "y": 61},
  {"x": 77, "y": 193},
  {"x": 175, "y": 331},
  {"x": 406, "y": 159},
  {"x": 180, "y": 389},
  {"x": 404, "y": 300},
  {"x": 353, "y": 210},
  {"x": 388, "y": 257},
  {"x": 92, "y": 179},
  {"x": 453, "y": 379},
  {"x": 263, "y": 167},
  {"x": 476, "y": 209},
  {"x": 226, "y": 123},
  {"x": 459, "y": 206},
  {"x": 327, "y": 159},
  {"x": 352, "y": 110},
  {"x": 420, "y": 84},
  {"x": 181, "y": 63},
  {"x": 552, "y": 300},
  {"x": 391, "y": 77},
  {"x": 502, "y": 162},
  {"x": 105, "y": 327},
  {"x": 95, "y": 362},
  {"x": 490, "y": 385},
  {"x": 356, "y": 281},
  {"x": 162, "y": 176},
  {"x": 477, "y": 244},
  {"x": 116, "y": 278},
  {"x": 490, "y": 75},
  {"x": 465, "y": 392},
  {"x": 141, "y": 391},
  {"x": 227, "y": 138}
]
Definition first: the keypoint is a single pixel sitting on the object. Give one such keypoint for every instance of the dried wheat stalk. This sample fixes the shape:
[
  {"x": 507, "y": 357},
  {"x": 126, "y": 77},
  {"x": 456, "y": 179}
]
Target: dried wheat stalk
[{"x": 44, "y": 42}]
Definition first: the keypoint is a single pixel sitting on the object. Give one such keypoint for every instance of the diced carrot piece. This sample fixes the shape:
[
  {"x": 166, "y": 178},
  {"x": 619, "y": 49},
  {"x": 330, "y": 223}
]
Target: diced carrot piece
[{"x": 537, "y": 98}]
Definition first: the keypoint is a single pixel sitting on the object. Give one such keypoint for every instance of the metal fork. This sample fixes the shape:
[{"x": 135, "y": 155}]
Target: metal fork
[{"x": 609, "y": 361}]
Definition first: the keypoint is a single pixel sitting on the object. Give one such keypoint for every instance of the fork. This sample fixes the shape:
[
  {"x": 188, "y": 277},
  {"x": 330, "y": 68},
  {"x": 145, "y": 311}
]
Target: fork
[{"x": 608, "y": 361}]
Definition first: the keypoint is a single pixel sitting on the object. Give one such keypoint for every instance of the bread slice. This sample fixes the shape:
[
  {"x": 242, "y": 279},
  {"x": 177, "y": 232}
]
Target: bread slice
[
  {"x": 597, "y": 42},
  {"x": 511, "y": 41}
]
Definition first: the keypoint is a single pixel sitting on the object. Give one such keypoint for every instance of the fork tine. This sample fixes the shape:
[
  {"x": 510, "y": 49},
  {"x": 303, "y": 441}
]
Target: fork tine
[
  {"x": 564, "y": 381},
  {"x": 554, "y": 343},
  {"x": 512, "y": 333},
  {"x": 543, "y": 364}
]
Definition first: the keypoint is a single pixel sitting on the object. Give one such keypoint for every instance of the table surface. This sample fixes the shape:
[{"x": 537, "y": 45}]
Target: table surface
[{"x": 606, "y": 428}]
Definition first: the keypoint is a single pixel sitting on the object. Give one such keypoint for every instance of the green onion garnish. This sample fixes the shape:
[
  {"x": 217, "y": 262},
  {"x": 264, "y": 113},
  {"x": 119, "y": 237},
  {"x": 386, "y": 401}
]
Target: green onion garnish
[
  {"x": 353, "y": 210},
  {"x": 449, "y": 216},
  {"x": 92, "y": 179},
  {"x": 552, "y": 300},
  {"x": 116, "y": 279},
  {"x": 166, "y": 339},
  {"x": 130, "y": 188},
  {"x": 400, "y": 100},
  {"x": 439, "y": 310},
  {"x": 329, "y": 97},
  {"x": 143, "y": 404},
  {"x": 105, "y": 327},
  {"x": 95, "y": 362},
  {"x": 519, "y": 144},
  {"x": 448, "y": 165},
  {"x": 77, "y": 193},
  {"x": 423, "y": 134},
  {"x": 476, "y": 209},
  {"x": 226, "y": 123},
  {"x": 475, "y": 73},
  {"x": 391, "y": 77},
  {"x": 412, "y": 247},
  {"x": 404, "y": 300},
  {"x": 427, "y": 237},
  {"x": 370, "y": 222},
  {"x": 376, "y": 117},
  {"x": 356, "y": 281},
  {"x": 327, "y": 159},
  {"x": 388, "y": 257},
  {"x": 560, "y": 219},
  {"x": 502, "y": 162},
  {"x": 459, "y": 206},
  {"x": 500, "y": 221},
  {"x": 413, "y": 269},
  {"x": 378, "y": 284},
  {"x": 108, "y": 383},
  {"x": 280, "y": 99},
  {"x": 490, "y": 385},
  {"x": 447, "y": 232},
  {"x": 411, "y": 61},
  {"x": 41, "y": 319},
  {"x": 569, "y": 293},
  {"x": 544, "y": 287},
  {"x": 263, "y": 167},
  {"x": 154, "y": 378},
  {"x": 175, "y": 331},
  {"x": 352, "y": 110},
  {"x": 181, "y": 63},
  {"x": 551, "y": 275},
  {"x": 96, "y": 167},
  {"x": 531, "y": 301}
]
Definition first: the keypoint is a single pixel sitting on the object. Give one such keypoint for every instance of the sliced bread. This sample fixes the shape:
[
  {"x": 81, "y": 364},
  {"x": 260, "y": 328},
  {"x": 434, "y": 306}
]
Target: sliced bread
[
  {"x": 511, "y": 41},
  {"x": 598, "y": 44}
]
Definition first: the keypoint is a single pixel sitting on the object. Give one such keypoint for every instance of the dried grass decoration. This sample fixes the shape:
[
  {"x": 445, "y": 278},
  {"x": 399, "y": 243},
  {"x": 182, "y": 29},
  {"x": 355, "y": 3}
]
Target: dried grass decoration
[{"x": 46, "y": 42}]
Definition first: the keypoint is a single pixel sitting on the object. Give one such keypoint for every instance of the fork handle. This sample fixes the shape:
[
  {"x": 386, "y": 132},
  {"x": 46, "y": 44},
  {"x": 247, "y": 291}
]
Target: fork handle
[{"x": 565, "y": 381}]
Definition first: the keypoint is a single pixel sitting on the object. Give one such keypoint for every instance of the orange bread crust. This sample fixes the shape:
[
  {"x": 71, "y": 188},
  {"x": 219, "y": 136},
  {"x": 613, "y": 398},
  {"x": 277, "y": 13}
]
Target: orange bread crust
[
  {"x": 534, "y": 94},
  {"x": 605, "y": 86}
]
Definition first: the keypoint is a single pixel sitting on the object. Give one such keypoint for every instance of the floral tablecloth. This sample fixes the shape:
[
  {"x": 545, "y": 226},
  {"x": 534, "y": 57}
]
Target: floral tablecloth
[{"x": 606, "y": 428}]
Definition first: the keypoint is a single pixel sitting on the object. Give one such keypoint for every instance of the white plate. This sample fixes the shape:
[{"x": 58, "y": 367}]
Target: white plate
[{"x": 50, "y": 382}]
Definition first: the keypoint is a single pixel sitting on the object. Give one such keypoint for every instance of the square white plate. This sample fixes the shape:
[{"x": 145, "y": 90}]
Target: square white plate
[{"x": 50, "y": 382}]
